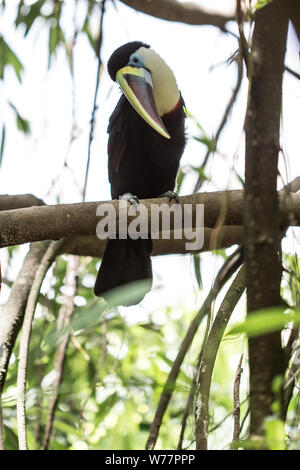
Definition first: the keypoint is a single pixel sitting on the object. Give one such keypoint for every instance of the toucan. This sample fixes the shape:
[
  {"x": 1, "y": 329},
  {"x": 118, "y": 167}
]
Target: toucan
[{"x": 146, "y": 141}]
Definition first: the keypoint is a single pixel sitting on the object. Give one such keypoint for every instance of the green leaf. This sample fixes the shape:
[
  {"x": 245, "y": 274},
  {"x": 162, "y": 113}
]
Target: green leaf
[
  {"x": 201, "y": 172},
  {"x": 22, "y": 124},
  {"x": 197, "y": 269},
  {"x": 3, "y": 133},
  {"x": 10, "y": 439},
  {"x": 180, "y": 178},
  {"x": 28, "y": 15},
  {"x": 127, "y": 294},
  {"x": 275, "y": 434},
  {"x": 106, "y": 406},
  {"x": 265, "y": 321},
  {"x": 240, "y": 179},
  {"x": 56, "y": 37},
  {"x": 8, "y": 57},
  {"x": 262, "y": 3},
  {"x": 209, "y": 143},
  {"x": 67, "y": 428},
  {"x": 87, "y": 30}
]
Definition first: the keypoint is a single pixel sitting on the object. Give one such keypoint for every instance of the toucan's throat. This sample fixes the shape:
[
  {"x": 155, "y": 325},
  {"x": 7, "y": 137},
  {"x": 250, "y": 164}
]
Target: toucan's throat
[
  {"x": 165, "y": 89},
  {"x": 173, "y": 113}
]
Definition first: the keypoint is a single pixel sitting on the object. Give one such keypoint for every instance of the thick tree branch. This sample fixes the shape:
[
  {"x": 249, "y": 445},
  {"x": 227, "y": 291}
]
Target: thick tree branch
[
  {"x": 214, "y": 239},
  {"x": 30, "y": 224},
  {"x": 173, "y": 10},
  {"x": 8, "y": 202}
]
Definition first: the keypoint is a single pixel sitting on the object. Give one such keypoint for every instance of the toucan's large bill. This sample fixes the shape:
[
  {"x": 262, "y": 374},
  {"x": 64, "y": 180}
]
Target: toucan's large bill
[{"x": 136, "y": 84}]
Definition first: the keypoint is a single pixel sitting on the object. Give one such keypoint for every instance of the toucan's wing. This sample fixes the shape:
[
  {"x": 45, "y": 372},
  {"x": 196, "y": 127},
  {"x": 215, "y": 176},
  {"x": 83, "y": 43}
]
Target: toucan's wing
[{"x": 117, "y": 129}]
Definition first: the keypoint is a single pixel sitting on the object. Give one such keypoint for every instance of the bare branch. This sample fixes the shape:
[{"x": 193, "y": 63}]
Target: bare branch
[
  {"x": 214, "y": 239},
  {"x": 236, "y": 403},
  {"x": 244, "y": 46},
  {"x": 20, "y": 226},
  {"x": 43, "y": 267},
  {"x": 292, "y": 72},
  {"x": 8, "y": 202},
  {"x": 187, "y": 411},
  {"x": 12, "y": 313},
  {"x": 207, "y": 363},
  {"x": 228, "y": 268},
  {"x": 173, "y": 10},
  {"x": 64, "y": 319},
  {"x": 99, "y": 68},
  {"x": 225, "y": 117}
]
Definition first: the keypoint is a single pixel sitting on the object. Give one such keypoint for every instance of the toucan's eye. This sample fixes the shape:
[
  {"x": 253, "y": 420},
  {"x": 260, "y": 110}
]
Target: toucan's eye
[{"x": 135, "y": 61}]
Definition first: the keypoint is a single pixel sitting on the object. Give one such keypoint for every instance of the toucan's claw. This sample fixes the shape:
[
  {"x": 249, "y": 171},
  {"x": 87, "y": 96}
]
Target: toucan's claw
[
  {"x": 171, "y": 195},
  {"x": 133, "y": 200}
]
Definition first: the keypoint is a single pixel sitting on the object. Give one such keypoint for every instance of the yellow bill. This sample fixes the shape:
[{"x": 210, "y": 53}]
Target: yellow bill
[{"x": 136, "y": 84}]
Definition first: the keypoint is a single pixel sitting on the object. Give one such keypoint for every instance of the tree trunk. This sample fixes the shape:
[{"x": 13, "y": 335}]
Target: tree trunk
[{"x": 262, "y": 233}]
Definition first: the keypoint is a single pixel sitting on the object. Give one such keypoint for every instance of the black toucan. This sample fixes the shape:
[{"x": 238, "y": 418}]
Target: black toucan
[{"x": 146, "y": 141}]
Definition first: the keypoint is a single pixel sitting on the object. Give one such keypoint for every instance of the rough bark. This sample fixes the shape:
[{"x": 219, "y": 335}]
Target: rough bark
[
  {"x": 12, "y": 313},
  {"x": 222, "y": 237},
  {"x": 8, "y": 202},
  {"x": 173, "y": 10},
  {"x": 36, "y": 223},
  {"x": 262, "y": 230},
  {"x": 207, "y": 362}
]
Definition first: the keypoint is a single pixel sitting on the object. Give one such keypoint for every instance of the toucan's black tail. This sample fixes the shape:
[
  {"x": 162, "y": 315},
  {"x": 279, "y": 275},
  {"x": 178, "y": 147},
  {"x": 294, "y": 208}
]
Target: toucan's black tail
[{"x": 124, "y": 261}]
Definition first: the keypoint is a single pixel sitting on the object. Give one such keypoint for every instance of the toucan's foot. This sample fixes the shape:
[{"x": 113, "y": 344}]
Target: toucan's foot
[
  {"x": 133, "y": 200},
  {"x": 171, "y": 195}
]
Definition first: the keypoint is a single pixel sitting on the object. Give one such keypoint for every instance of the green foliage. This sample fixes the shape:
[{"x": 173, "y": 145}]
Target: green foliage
[
  {"x": 8, "y": 57},
  {"x": 27, "y": 15},
  {"x": 197, "y": 269},
  {"x": 3, "y": 133},
  {"x": 116, "y": 366},
  {"x": 262, "y": 3},
  {"x": 266, "y": 321},
  {"x": 114, "y": 374},
  {"x": 275, "y": 434},
  {"x": 93, "y": 40},
  {"x": 22, "y": 124}
]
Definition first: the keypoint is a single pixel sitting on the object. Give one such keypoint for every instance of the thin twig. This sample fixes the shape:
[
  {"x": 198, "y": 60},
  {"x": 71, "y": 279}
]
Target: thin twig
[
  {"x": 245, "y": 417},
  {"x": 292, "y": 72},
  {"x": 92, "y": 128},
  {"x": 244, "y": 46},
  {"x": 229, "y": 267},
  {"x": 224, "y": 119},
  {"x": 1, "y": 427},
  {"x": 63, "y": 323},
  {"x": 25, "y": 337},
  {"x": 103, "y": 351},
  {"x": 236, "y": 402},
  {"x": 228, "y": 415},
  {"x": 187, "y": 411}
]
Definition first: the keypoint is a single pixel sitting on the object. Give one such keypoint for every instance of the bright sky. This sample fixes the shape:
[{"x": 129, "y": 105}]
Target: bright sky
[{"x": 31, "y": 163}]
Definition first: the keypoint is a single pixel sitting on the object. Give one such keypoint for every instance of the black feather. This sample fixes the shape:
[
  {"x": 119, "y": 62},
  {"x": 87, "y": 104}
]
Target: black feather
[
  {"x": 141, "y": 162},
  {"x": 120, "y": 57}
]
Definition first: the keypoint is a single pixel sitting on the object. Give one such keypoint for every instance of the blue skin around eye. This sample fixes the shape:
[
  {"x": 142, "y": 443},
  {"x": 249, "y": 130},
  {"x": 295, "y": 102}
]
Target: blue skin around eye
[{"x": 139, "y": 63}]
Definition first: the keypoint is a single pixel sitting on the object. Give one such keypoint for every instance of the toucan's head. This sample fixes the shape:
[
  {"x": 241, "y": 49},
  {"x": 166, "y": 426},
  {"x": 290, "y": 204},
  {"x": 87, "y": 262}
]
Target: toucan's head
[{"x": 147, "y": 82}]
